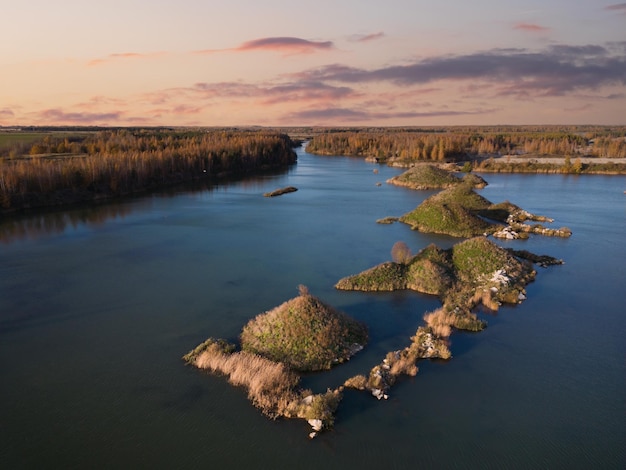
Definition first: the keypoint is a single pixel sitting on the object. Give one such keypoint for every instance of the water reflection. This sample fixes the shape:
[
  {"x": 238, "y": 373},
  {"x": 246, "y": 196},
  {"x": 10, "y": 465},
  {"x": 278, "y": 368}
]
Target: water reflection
[{"x": 47, "y": 222}]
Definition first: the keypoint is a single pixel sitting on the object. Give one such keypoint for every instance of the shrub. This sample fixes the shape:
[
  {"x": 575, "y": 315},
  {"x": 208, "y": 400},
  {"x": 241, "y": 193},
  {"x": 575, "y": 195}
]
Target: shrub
[{"x": 401, "y": 253}]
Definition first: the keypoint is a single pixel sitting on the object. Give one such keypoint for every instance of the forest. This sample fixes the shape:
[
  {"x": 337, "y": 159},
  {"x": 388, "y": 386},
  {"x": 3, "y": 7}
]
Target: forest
[
  {"x": 459, "y": 143},
  {"x": 45, "y": 169}
]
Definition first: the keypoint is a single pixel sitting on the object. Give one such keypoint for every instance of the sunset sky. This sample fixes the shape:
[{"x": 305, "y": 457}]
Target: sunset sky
[{"x": 322, "y": 62}]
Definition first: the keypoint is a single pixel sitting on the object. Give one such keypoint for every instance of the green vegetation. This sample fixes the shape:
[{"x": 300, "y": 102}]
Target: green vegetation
[
  {"x": 452, "y": 212},
  {"x": 16, "y": 143},
  {"x": 458, "y": 211},
  {"x": 120, "y": 162},
  {"x": 471, "y": 272},
  {"x": 426, "y": 176},
  {"x": 537, "y": 166},
  {"x": 304, "y": 333}
]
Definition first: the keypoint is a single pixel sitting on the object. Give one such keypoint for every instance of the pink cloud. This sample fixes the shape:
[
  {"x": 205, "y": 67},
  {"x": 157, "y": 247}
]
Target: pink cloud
[
  {"x": 123, "y": 56},
  {"x": 6, "y": 113},
  {"x": 530, "y": 27},
  {"x": 356, "y": 115},
  {"x": 263, "y": 93},
  {"x": 59, "y": 116},
  {"x": 367, "y": 37},
  {"x": 186, "y": 110},
  {"x": 619, "y": 7},
  {"x": 286, "y": 45},
  {"x": 584, "y": 107}
]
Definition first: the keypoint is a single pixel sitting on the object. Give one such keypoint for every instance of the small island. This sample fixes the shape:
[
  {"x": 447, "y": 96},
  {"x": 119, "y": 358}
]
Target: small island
[
  {"x": 427, "y": 176},
  {"x": 302, "y": 334},
  {"x": 459, "y": 211}
]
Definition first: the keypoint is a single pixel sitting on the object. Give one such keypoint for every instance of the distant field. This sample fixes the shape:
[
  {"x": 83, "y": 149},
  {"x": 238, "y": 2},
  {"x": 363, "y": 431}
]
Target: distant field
[{"x": 10, "y": 138}]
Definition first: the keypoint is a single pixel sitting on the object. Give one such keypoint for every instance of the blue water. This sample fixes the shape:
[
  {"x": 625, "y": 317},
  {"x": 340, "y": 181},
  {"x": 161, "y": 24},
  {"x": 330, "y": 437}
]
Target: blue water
[{"x": 98, "y": 305}]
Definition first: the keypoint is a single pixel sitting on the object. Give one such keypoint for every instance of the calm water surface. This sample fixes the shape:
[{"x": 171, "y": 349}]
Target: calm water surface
[{"x": 98, "y": 305}]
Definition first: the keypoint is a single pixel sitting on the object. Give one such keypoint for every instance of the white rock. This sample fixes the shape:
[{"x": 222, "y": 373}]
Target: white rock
[
  {"x": 521, "y": 296},
  {"x": 378, "y": 393},
  {"x": 316, "y": 424}
]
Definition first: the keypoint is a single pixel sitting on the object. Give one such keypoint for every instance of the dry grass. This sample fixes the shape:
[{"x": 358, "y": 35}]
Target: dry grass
[
  {"x": 402, "y": 362},
  {"x": 485, "y": 297},
  {"x": 358, "y": 382},
  {"x": 440, "y": 321},
  {"x": 270, "y": 385}
]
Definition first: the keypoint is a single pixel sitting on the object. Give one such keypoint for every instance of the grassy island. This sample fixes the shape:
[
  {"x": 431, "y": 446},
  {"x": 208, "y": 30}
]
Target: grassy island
[
  {"x": 302, "y": 334},
  {"x": 459, "y": 211},
  {"x": 426, "y": 176},
  {"x": 473, "y": 272},
  {"x": 453, "y": 211}
]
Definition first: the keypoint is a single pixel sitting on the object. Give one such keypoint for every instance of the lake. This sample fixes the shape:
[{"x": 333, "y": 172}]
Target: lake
[{"x": 97, "y": 306}]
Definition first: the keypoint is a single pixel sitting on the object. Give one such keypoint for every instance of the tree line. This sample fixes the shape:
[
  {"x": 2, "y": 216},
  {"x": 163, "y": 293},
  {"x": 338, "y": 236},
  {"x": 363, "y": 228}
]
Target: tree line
[
  {"x": 61, "y": 169},
  {"x": 458, "y": 143}
]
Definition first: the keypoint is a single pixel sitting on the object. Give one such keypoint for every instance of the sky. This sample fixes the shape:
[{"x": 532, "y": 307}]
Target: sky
[{"x": 312, "y": 63}]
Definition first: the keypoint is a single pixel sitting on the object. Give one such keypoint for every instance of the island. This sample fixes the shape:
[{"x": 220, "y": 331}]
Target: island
[
  {"x": 428, "y": 176},
  {"x": 459, "y": 211},
  {"x": 471, "y": 273},
  {"x": 302, "y": 334}
]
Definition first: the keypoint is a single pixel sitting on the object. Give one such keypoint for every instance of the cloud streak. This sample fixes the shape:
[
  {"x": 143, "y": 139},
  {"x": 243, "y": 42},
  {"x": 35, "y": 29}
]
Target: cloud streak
[
  {"x": 367, "y": 37},
  {"x": 123, "y": 56},
  {"x": 554, "y": 71},
  {"x": 619, "y": 7},
  {"x": 531, "y": 28},
  {"x": 285, "y": 45},
  {"x": 58, "y": 116},
  {"x": 6, "y": 113},
  {"x": 264, "y": 93},
  {"x": 359, "y": 115}
]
